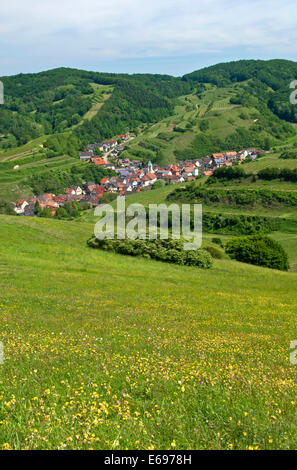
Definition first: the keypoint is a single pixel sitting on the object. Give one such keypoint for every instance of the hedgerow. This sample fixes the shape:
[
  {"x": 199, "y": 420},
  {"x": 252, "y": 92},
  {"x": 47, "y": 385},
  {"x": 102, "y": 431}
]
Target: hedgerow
[{"x": 169, "y": 251}]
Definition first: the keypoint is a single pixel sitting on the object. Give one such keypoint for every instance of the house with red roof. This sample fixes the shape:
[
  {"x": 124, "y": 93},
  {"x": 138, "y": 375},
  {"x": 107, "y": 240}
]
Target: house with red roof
[
  {"x": 98, "y": 161},
  {"x": 20, "y": 206},
  {"x": 104, "y": 181}
]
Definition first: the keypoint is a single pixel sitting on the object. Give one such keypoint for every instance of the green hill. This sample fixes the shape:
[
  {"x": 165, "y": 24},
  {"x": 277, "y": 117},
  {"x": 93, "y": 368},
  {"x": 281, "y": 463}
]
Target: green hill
[
  {"x": 57, "y": 100},
  {"x": 267, "y": 80},
  {"x": 48, "y": 117},
  {"x": 104, "y": 351}
]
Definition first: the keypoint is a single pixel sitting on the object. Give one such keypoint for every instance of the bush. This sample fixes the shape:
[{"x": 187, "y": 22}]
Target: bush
[
  {"x": 6, "y": 208},
  {"x": 276, "y": 173},
  {"x": 229, "y": 173},
  {"x": 170, "y": 251},
  {"x": 158, "y": 184},
  {"x": 259, "y": 250},
  {"x": 215, "y": 252},
  {"x": 204, "y": 125},
  {"x": 289, "y": 155},
  {"x": 70, "y": 210},
  {"x": 217, "y": 241}
]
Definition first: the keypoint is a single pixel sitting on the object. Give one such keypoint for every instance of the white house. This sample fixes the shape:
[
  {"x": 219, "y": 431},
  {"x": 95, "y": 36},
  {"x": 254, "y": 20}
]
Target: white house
[{"x": 20, "y": 206}]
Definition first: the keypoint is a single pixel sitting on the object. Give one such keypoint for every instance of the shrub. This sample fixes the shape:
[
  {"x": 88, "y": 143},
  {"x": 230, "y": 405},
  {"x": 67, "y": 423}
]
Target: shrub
[
  {"x": 289, "y": 155},
  {"x": 6, "y": 208},
  {"x": 199, "y": 258},
  {"x": 259, "y": 250},
  {"x": 229, "y": 173},
  {"x": 204, "y": 125},
  {"x": 217, "y": 241},
  {"x": 70, "y": 210},
  {"x": 158, "y": 184},
  {"x": 215, "y": 252},
  {"x": 170, "y": 251}
]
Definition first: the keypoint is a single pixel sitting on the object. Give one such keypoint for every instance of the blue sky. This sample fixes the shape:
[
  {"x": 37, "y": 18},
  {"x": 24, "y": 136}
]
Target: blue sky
[{"x": 156, "y": 36}]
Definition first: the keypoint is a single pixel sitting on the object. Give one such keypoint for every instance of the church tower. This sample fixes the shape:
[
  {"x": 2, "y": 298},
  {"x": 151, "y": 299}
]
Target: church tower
[{"x": 150, "y": 167}]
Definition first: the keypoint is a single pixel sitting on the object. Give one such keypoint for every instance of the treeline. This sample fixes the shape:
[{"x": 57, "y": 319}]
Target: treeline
[
  {"x": 233, "y": 224},
  {"x": 240, "y": 224},
  {"x": 55, "y": 181},
  {"x": 237, "y": 173},
  {"x": 237, "y": 224},
  {"x": 6, "y": 208},
  {"x": 284, "y": 174},
  {"x": 235, "y": 197},
  {"x": 229, "y": 173}
]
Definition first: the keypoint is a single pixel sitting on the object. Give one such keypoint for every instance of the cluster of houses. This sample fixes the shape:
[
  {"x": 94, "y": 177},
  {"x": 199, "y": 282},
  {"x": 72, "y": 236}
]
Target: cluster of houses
[
  {"x": 132, "y": 175},
  {"x": 217, "y": 160},
  {"x": 111, "y": 147},
  {"x": 129, "y": 176}
]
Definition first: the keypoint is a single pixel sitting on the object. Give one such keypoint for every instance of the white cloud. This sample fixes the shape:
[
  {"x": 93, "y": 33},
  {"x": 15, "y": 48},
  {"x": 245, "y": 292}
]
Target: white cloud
[{"x": 100, "y": 29}]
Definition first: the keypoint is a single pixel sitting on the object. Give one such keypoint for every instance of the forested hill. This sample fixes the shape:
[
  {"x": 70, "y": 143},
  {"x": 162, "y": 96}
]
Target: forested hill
[
  {"x": 244, "y": 103},
  {"x": 268, "y": 81},
  {"x": 57, "y": 101}
]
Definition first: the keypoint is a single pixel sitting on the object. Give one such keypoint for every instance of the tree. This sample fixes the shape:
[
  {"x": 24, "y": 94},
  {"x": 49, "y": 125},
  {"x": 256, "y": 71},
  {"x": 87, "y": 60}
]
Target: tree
[
  {"x": 204, "y": 125},
  {"x": 260, "y": 250},
  {"x": 37, "y": 209},
  {"x": 158, "y": 184}
]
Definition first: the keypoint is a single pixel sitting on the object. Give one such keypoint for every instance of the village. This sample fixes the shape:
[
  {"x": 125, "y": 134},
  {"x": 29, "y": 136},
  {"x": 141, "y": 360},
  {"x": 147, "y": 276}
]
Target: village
[{"x": 130, "y": 175}]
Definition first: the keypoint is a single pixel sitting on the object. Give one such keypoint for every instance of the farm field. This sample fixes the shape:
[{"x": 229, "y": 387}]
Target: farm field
[{"x": 104, "y": 351}]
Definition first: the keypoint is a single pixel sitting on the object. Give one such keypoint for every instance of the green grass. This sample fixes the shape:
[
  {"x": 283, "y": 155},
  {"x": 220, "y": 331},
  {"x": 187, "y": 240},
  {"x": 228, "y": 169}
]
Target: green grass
[
  {"x": 271, "y": 160},
  {"x": 23, "y": 151},
  {"x": 105, "y": 351}
]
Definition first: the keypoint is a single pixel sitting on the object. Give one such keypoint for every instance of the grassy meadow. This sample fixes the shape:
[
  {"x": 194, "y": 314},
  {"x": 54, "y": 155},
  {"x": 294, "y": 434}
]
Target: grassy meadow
[{"x": 104, "y": 351}]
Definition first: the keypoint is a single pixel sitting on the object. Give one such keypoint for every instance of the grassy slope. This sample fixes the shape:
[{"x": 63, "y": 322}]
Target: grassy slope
[
  {"x": 214, "y": 106},
  {"x": 106, "y": 351},
  {"x": 101, "y": 94},
  {"x": 268, "y": 161}
]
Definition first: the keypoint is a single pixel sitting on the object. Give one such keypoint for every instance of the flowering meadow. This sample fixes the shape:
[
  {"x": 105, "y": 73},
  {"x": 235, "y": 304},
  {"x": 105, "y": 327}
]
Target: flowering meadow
[{"x": 104, "y": 351}]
